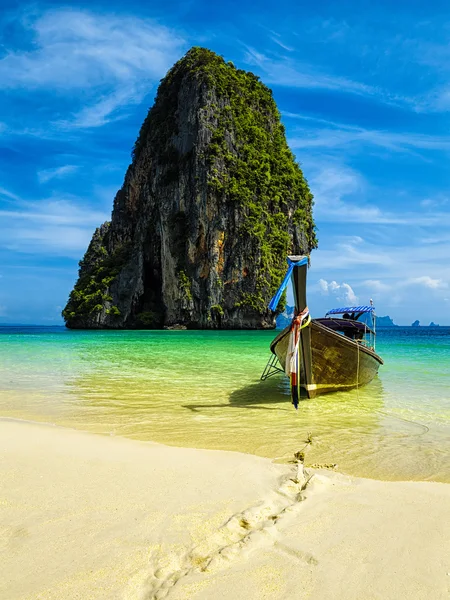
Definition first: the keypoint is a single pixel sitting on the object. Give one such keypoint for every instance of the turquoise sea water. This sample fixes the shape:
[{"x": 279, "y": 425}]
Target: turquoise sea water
[{"x": 202, "y": 389}]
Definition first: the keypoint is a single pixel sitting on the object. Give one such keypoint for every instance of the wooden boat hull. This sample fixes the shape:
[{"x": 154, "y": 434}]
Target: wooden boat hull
[{"x": 338, "y": 363}]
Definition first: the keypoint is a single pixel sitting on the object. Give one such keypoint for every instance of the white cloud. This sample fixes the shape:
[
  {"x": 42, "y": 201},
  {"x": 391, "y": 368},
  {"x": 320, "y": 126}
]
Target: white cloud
[
  {"x": 349, "y": 295},
  {"x": 376, "y": 285},
  {"x": 9, "y": 195},
  {"x": 116, "y": 58},
  {"x": 61, "y": 227},
  {"x": 68, "y": 211},
  {"x": 390, "y": 267},
  {"x": 408, "y": 70},
  {"x": 323, "y": 286},
  {"x": 341, "y": 291},
  {"x": 393, "y": 290},
  {"x": 339, "y": 134},
  {"x": 331, "y": 183},
  {"x": 334, "y": 186},
  {"x": 286, "y": 72},
  {"x": 79, "y": 49},
  {"x": 56, "y": 173},
  {"x": 105, "y": 109},
  {"x": 428, "y": 282},
  {"x": 440, "y": 201},
  {"x": 275, "y": 38}
]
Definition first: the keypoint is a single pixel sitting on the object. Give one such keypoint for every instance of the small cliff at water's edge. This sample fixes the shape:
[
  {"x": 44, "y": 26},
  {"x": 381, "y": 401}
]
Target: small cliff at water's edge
[{"x": 210, "y": 207}]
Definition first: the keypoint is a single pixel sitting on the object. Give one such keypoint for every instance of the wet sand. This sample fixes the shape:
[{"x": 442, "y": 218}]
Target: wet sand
[{"x": 92, "y": 517}]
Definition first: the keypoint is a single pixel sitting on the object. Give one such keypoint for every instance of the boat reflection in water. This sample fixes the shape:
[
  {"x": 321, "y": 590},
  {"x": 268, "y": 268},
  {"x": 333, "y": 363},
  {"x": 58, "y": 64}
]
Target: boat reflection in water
[{"x": 334, "y": 353}]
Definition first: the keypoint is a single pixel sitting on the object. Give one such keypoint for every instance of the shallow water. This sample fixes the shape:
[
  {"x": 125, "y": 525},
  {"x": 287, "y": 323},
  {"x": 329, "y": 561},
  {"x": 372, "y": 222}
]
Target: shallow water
[{"x": 202, "y": 389}]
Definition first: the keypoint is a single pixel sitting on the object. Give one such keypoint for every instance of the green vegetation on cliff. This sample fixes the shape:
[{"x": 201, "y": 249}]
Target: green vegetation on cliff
[
  {"x": 211, "y": 205},
  {"x": 98, "y": 270}
]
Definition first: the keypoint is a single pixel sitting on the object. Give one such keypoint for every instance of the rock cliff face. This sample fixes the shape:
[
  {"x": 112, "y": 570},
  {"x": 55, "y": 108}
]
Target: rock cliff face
[{"x": 210, "y": 207}]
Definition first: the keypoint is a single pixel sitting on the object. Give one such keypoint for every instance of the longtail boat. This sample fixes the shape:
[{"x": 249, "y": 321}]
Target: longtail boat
[{"x": 329, "y": 354}]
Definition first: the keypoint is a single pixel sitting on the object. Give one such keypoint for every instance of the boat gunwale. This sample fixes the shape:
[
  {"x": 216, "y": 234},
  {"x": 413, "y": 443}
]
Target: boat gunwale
[{"x": 368, "y": 351}]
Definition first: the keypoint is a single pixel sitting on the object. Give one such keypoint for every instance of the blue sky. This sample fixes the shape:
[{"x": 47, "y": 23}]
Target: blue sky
[{"x": 364, "y": 91}]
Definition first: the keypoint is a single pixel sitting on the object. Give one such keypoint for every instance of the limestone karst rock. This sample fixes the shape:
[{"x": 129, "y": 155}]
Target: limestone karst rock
[
  {"x": 385, "y": 322},
  {"x": 212, "y": 203}
]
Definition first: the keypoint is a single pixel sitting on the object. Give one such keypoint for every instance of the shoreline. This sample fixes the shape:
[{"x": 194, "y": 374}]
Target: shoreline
[
  {"x": 378, "y": 471},
  {"x": 94, "y": 516},
  {"x": 159, "y": 390}
]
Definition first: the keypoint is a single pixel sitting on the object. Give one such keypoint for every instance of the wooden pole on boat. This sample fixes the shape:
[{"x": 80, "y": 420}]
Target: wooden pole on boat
[{"x": 299, "y": 285}]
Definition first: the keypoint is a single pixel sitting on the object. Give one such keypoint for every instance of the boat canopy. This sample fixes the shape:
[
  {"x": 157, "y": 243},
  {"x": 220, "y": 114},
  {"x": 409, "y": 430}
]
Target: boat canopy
[
  {"x": 344, "y": 325},
  {"x": 350, "y": 309}
]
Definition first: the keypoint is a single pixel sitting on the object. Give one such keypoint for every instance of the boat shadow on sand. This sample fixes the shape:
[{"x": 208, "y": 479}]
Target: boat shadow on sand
[
  {"x": 267, "y": 395},
  {"x": 262, "y": 395}
]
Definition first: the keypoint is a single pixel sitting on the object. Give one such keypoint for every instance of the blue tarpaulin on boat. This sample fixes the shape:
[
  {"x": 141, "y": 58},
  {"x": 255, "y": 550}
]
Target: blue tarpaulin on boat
[
  {"x": 292, "y": 264},
  {"x": 351, "y": 309}
]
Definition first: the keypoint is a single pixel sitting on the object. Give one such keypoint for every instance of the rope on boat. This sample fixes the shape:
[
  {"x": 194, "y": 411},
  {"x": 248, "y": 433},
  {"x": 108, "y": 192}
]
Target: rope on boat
[
  {"x": 357, "y": 369},
  {"x": 300, "y": 321}
]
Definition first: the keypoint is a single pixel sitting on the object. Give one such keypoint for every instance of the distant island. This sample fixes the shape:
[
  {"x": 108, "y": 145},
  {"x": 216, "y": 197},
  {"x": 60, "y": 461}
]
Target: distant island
[
  {"x": 386, "y": 322},
  {"x": 284, "y": 319}
]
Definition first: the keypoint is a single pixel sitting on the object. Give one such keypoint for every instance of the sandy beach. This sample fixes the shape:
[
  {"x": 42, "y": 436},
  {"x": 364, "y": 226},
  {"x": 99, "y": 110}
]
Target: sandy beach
[{"x": 92, "y": 517}]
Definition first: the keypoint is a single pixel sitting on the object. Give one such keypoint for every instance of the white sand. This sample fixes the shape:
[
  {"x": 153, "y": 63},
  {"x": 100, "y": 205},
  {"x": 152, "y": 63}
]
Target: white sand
[{"x": 84, "y": 516}]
